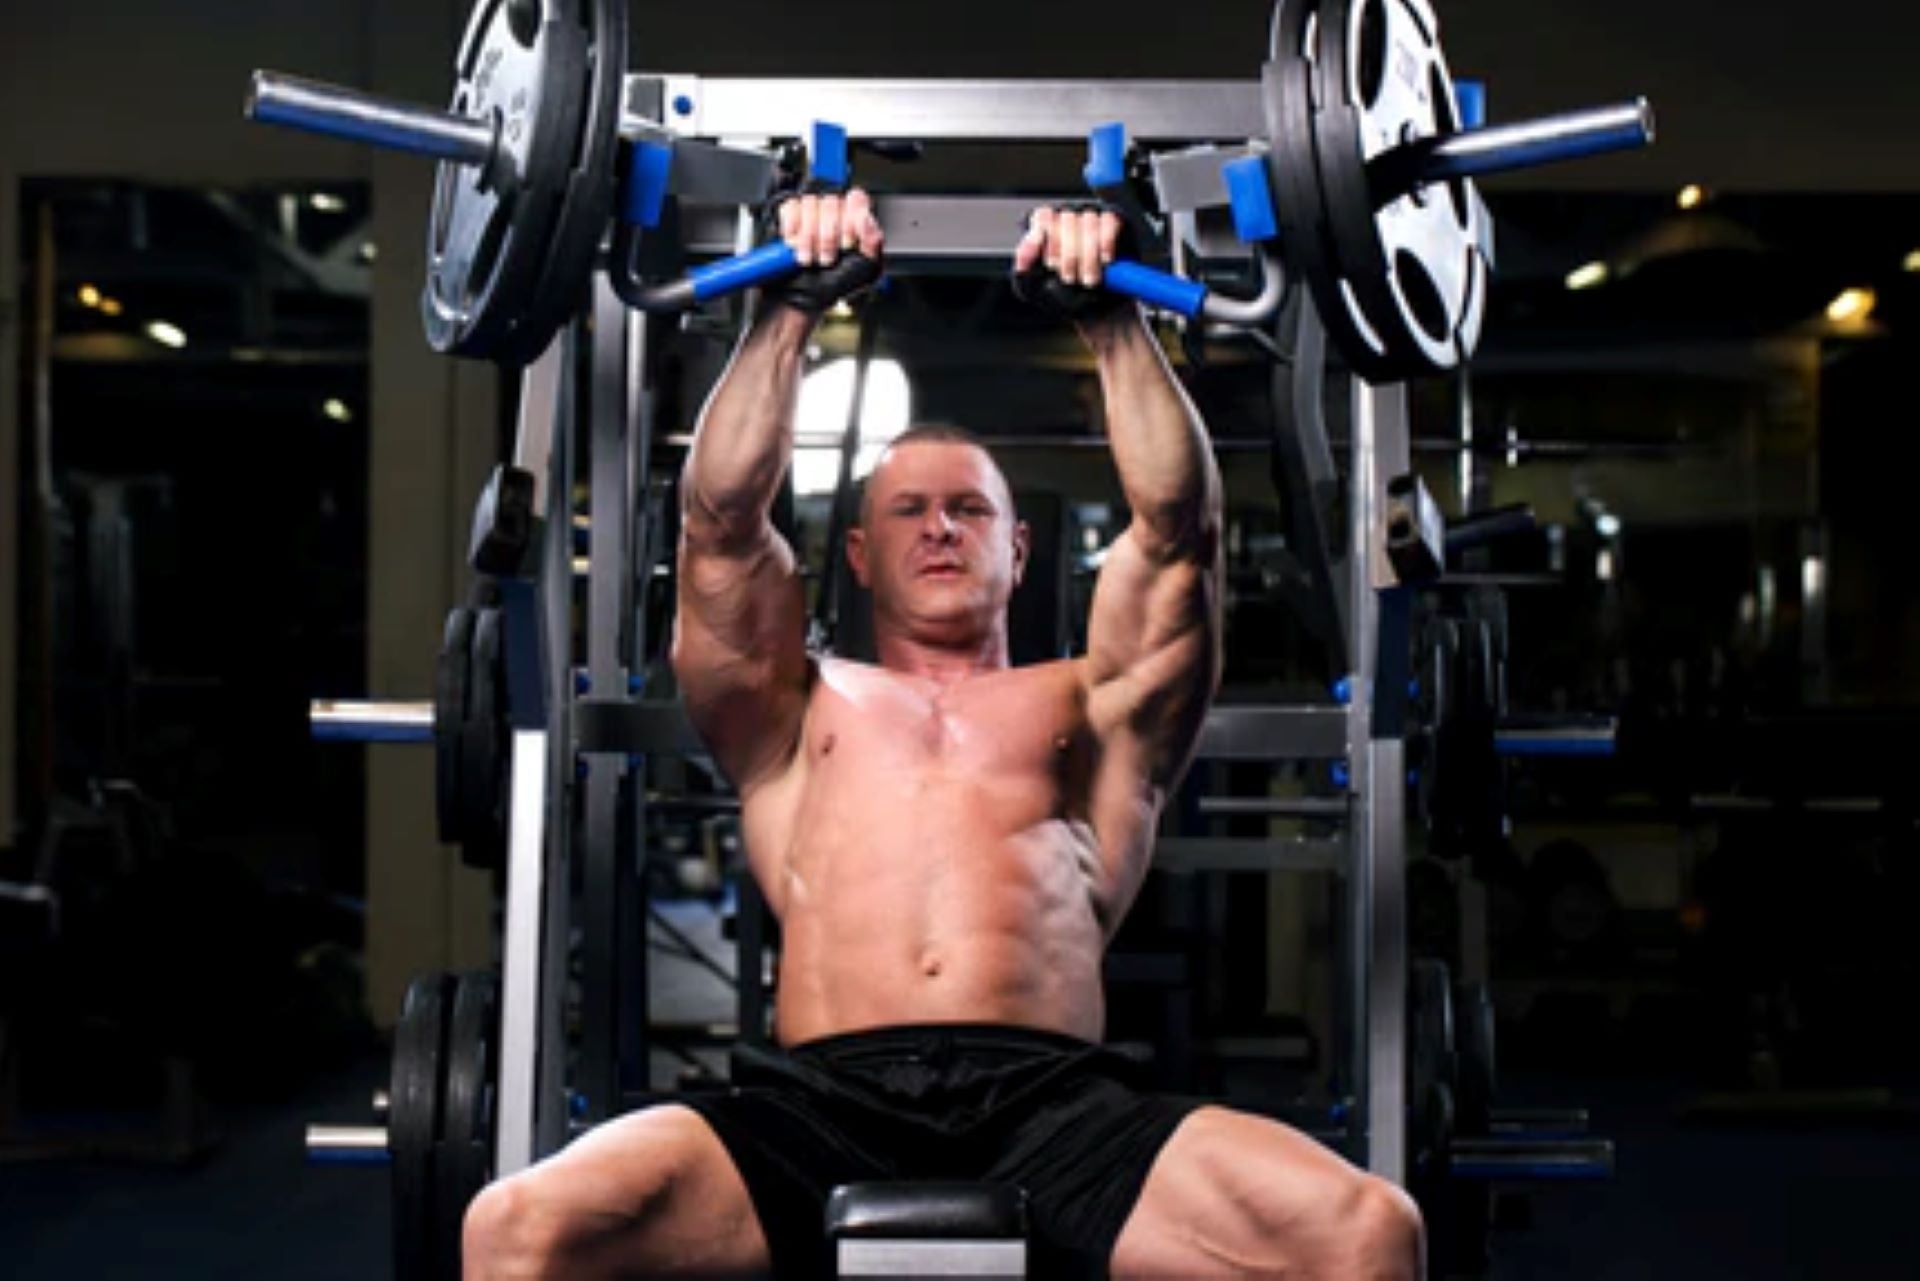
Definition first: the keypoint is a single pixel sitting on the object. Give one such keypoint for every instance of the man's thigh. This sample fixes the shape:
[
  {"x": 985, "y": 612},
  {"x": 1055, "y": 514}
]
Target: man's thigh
[
  {"x": 1233, "y": 1194},
  {"x": 646, "y": 1193},
  {"x": 1083, "y": 1154}
]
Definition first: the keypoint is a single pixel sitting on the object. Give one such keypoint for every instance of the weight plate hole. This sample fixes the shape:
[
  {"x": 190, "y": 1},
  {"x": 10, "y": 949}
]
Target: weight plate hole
[
  {"x": 486, "y": 254},
  {"x": 1423, "y": 296},
  {"x": 1373, "y": 52},
  {"x": 523, "y": 20}
]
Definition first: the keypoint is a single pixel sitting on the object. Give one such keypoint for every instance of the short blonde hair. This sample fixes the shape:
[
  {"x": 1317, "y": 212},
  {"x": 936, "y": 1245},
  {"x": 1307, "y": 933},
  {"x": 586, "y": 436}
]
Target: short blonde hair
[{"x": 944, "y": 433}]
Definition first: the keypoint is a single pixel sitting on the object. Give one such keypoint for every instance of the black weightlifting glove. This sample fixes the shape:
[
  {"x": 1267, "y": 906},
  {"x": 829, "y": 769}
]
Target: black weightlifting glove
[
  {"x": 1041, "y": 287},
  {"x": 813, "y": 290}
]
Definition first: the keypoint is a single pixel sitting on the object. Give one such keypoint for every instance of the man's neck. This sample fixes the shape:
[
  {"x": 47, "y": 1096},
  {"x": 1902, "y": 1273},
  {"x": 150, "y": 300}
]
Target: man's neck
[{"x": 943, "y": 665}]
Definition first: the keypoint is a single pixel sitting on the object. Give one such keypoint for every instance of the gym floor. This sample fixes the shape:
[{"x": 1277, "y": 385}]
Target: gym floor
[{"x": 1732, "y": 1200}]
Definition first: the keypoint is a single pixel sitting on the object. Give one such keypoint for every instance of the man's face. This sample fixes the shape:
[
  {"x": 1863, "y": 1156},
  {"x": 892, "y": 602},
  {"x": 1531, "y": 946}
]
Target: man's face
[{"x": 938, "y": 545}]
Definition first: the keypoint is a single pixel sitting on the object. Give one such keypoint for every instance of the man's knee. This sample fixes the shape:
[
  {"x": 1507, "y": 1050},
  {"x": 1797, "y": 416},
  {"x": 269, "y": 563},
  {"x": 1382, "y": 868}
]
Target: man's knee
[
  {"x": 1306, "y": 1205},
  {"x": 1383, "y": 1225},
  {"x": 1351, "y": 1224},
  {"x": 563, "y": 1215},
  {"x": 514, "y": 1229}
]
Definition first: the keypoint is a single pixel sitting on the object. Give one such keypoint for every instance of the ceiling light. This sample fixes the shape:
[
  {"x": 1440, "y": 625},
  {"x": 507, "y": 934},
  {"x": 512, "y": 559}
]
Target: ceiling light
[
  {"x": 1594, "y": 273},
  {"x": 1813, "y": 577},
  {"x": 327, "y": 202},
  {"x": 1911, "y": 262},
  {"x": 336, "y": 409},
  {"x": 89, "y": 296},
  {"x": 166, "y": 335},
  {"x": 110, "y": 306},
  {"x": 1607, "y": 525},
  {"x": 1853, "y": 305},
  {"x": 826, "y": 398},
  {"x": 1692, "y": 196}
]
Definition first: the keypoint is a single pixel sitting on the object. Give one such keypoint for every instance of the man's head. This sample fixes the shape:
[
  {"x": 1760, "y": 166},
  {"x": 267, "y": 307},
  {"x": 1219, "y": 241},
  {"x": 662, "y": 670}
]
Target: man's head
[{"x": 938, "y": 543}]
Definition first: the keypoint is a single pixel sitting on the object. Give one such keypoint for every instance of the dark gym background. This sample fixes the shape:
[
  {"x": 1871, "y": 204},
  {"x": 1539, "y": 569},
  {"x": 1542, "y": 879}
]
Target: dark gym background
[{"x": 277, "y": 509}]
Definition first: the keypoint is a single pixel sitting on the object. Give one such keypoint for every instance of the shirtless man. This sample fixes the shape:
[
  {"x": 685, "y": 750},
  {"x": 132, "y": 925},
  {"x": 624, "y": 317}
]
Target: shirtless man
[{"x": 949, "y": 844}]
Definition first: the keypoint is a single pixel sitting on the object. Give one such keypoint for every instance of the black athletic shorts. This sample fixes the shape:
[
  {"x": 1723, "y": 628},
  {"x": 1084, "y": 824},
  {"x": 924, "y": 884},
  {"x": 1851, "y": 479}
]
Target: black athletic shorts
[{"x": 1066, "y": 1120}]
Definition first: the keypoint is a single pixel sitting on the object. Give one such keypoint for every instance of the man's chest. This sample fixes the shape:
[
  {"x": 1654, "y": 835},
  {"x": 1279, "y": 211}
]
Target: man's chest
[{"x": 876, "y": 728}]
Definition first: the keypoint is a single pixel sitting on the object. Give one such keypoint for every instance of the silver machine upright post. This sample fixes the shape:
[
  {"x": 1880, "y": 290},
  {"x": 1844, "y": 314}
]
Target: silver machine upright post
[
  {"x": 1377, "y": 929},
  {"x": 532, "y": 1102}
]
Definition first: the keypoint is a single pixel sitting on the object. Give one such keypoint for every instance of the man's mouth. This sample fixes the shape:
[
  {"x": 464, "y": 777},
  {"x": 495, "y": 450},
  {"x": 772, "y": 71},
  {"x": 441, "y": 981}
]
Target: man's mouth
[{"x": 942, "y": 571}]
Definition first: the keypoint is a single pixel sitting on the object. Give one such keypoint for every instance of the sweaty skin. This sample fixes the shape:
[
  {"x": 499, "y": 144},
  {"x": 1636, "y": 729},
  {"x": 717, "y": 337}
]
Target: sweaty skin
[{"x": 945, "y": 838}]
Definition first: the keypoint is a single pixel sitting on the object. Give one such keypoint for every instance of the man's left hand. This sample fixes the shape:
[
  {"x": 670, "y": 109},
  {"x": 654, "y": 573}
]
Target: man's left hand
[{"x": 1062, "y": 260}]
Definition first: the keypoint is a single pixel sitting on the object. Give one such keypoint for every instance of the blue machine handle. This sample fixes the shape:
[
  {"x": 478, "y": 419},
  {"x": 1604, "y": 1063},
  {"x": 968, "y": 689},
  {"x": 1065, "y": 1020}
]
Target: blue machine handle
[
  {"x": 1156, "y": 288},
  {"x": 1246, "y": 182},
  {"x": 774, "y": 261},
  {"x": 647, "y": 184}
]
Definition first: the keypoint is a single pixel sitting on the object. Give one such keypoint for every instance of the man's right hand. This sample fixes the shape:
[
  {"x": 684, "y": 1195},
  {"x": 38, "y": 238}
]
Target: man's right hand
[{"x": 838, "y": 243}]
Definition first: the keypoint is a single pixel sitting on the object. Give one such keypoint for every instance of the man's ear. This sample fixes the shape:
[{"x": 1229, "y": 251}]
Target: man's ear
[
  {"x": 1022, "y": 549},
  {"x": 857, "y": 555}
]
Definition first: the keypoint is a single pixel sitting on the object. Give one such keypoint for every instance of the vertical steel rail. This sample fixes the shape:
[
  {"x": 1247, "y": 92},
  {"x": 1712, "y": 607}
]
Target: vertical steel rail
[
  {"x": 605, "y": 878},
  {"x": 637, "y": 406},
  {"x": 1376, "y": 946},
  {"x": 529, "y": 1053},
  {"x": 551, "y": 1114}
]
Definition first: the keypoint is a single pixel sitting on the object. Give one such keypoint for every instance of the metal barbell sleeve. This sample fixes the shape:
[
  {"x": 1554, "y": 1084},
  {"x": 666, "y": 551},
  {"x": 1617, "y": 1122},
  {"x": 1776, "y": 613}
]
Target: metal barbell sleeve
[{"x": 351, "y": 115}]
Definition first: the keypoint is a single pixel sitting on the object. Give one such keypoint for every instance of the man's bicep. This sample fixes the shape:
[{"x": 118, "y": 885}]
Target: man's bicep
[
  {"x": 739, "y": 652},
  {"x": 1153, "y": 647}
]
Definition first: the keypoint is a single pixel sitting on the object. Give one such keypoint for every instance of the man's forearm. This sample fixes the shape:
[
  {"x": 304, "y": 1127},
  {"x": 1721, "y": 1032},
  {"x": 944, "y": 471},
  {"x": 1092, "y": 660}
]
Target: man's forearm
[
  {"x": 1160, "y": 446},
  {"x": 743, "y": 442}
]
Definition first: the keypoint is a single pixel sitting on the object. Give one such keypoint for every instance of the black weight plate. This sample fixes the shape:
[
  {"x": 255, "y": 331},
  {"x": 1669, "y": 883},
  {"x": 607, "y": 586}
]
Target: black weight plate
[
  {"x": 470, "y": 1059},
  {"x": 1467, "y": 813},
  {"x": 449, "y": 719},
  {"x": 484, "y": 742},
  {"x": 487, "y": 237},
  {"x": 1430, "y": 1051},
  {"x": 1489, "y": 605},
  {"x": 466, "y": 1139},
  {"x": 416, "y": 1096},
  {"x": 1306, "y": 234},
  {"x": 1484, "y": 819},
  {"x": 1306, "y": 241},
  {"x": 1439, "y": 682},
  {"x": 1415, "y": 264},
  {"x": 1479, "y": 1080},
  {"x": 590, "y": 186}
]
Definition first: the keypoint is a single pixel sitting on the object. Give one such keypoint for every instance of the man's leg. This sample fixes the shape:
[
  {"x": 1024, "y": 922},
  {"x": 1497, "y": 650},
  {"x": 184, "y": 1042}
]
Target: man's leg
[
  {"x": 1238, "y": 1195},
  {"x": 644, "y": 1194}
]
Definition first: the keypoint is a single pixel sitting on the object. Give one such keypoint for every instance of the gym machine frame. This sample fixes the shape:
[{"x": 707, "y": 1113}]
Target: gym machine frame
[
  {"x": 1355, "y": 592},
  {"x": 610, "y": 727}
]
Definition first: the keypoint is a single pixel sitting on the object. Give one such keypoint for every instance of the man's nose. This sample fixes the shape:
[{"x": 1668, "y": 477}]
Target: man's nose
[{"x": 940, "y": 525}]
